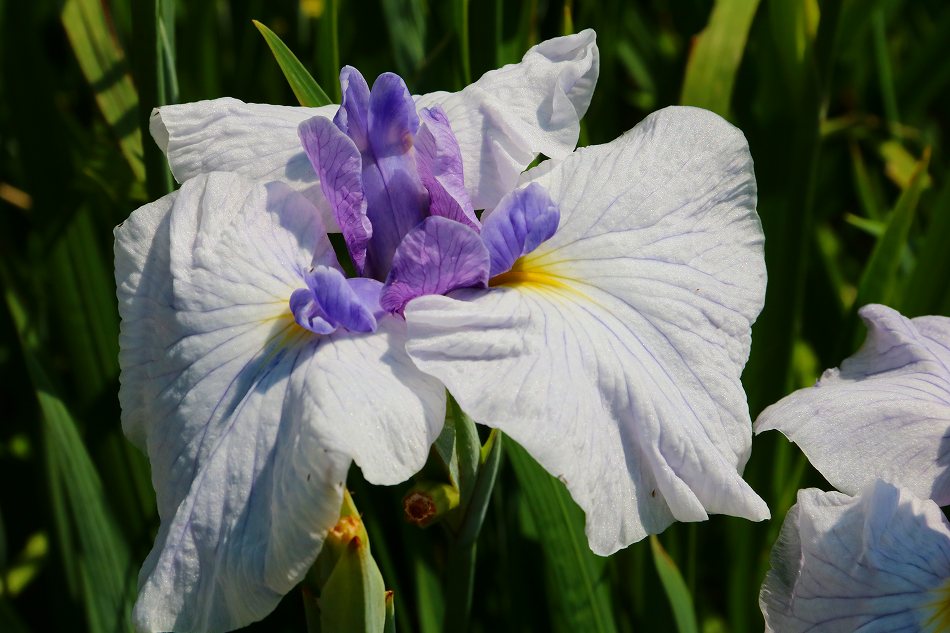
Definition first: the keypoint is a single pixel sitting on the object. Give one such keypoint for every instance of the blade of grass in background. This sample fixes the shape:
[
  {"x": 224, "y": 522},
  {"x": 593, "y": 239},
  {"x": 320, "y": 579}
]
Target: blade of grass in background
[
  {"x": 879, "y": 280},
  {"x": 305, "y": 87},
  {"x": 86, "y": 297},
  {"x": 578, "y": 592},
  {"x": 716, "y": 55},
  {"x": 929, "y": 283},
  {"x": 150, "y": 61},
  {"x": 103, "y": 63},
  {"x": 406, "y": 23},
  {"x": 681, "y": 602},
  {"x": 461, "y": 32},
  {"x": 328, "y": 48},
  {"x": 95, "y": 554}
]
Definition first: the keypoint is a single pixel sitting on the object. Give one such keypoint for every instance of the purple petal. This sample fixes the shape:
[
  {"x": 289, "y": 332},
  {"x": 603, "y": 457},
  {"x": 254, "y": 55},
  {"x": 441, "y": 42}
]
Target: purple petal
[
  {"x": 307, "y": 312},
  {"x": 337, "y": 161},
  {"x": 368, "y": 291},
  {"x": 330, "y": 302},
  {"x": 440, "y": 169},
  {"x": 353, "y": 116},
  {"x": 396, "y": 199},
  {"x": 519, "y": 224},
  {"x": 393, "y": 121},
  {"x": 437, "y": 256}
]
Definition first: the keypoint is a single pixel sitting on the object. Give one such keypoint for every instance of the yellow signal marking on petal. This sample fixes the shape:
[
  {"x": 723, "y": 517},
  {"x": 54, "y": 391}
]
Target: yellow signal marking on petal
[
  {"x": 529, "y": 272},
  {"x": 938, "y": 619}
]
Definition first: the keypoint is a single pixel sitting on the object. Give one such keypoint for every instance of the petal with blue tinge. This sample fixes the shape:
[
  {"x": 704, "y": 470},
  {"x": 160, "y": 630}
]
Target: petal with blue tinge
[
  {"x": 440, "y": 168},
  {"x": 519, "y": 224},
  {"x": 251, "y": 422},
  {"x": 336, "y": 159},
  {"x": 885, "y": 413},
  {"x": 510, "y": 115},
  {"x": 612, "y": 353},
  {"x": 878, "y": 562},
  {"x": 396, "y": 200},
  {"x": 436, "y": 257},
  {"x": 257, "y": 141}
]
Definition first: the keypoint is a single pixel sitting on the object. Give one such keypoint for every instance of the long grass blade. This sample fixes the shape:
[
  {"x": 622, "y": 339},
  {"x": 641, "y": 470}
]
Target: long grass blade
[
  {"x": 681, "y": 602},
  {"x": 578, "y": 586},
  {"x": 305, "y": 87},
  {"x": 91, "y": 543},
  {"x": 104, "y": 65},
  {"x": 715, "y": 58}
]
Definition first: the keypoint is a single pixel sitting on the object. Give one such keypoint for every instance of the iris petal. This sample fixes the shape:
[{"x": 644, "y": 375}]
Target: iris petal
[
  {"x": 335, "y": 157},
  {"x": 867, "y": 563},
  {"x": 436, "y": 257},
  {"x": 614, "y": 357},
  {"x": 248, "y": 422},
  {"x": 509, "y": 115},
  {"x": 889, "y": 404},
  {"x": 257, "y": 141},
  {"x": 440, "y": 168}
]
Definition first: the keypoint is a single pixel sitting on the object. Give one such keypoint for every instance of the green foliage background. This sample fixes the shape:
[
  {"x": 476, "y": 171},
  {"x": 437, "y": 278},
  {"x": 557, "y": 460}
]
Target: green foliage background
[{"x": 845, "y": 106}]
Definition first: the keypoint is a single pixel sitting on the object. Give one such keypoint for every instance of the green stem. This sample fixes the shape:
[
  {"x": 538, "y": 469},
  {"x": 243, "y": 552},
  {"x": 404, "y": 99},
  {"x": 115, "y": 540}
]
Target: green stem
[
  {"x": 460, "y": 567},
  {"x": 460, "y": 581}
]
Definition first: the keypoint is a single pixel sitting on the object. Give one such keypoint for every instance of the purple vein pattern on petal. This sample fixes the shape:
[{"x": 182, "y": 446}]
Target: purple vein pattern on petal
[
  {"x": 509, "y": 115},
  {"x": 246, "y": 416},
  {"x": 436, "y": 257},
  {"x": 336, "y": 159},
  {"x": 329, "y": 300},
  {"x": 876, "y": 562},
  {"x": 884, "y": 414},
  {"x": 257, "y": 141},
  {"x": 396, "y": 199},
  {"x": 353, "y": 116},
  {"x": 440, "y": 169},
  {"x": 519, "y": 224},
  {"x": 616, "y": 362}
]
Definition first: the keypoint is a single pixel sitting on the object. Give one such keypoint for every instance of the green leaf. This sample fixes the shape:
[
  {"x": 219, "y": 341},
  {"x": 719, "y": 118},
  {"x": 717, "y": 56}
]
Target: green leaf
[
  {"x": 305, "y": 87},
  {"x": 354, "y": 597},
  {"x": 579, "y": 590},
  {"x": 406, "y": 24},
  {"x": 104, "y": 65},
  {"x": 153, "y": 58},
  {"x": 715, "y": 58},
  {"x": 95, "y": 553},
  {"x": 928, "y": 287},
  {"x": 676, "y": 592},
  {"x": 878, "y": 282}
]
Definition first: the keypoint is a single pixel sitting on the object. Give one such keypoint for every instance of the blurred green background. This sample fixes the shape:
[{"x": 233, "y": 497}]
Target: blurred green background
[{"x": 845, "y": 107}]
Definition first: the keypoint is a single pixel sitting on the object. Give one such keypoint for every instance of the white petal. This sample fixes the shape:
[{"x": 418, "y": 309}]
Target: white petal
[
  {"x": 875, "y": 563},
  {"x": 250, "y": 422},
  {"x": 884, "y": 414},
  {"x": 617, "y": 366},
  {"x": 503, "y": 120},
  {"x": 255, "y": 140}
]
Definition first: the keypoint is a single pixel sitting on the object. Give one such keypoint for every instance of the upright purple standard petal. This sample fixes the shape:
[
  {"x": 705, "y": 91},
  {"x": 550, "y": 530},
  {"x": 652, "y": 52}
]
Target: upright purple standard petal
[
  {"x": 336, "y": 159},
  {"x": 330, "y": 302},
  {"x": 437, "y": 256},
  {"x": 440, "y": 168},
  {"x": 519, "y": 224},
  {"x": 352, "y": 117},
  {"x": 396, "y": 199}
]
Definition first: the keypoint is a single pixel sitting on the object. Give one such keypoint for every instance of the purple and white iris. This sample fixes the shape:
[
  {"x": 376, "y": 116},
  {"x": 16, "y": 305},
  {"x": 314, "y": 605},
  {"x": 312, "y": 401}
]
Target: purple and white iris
[
  {"x": 876, "y": 428},
  {"x": 599, "y": 312}
]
